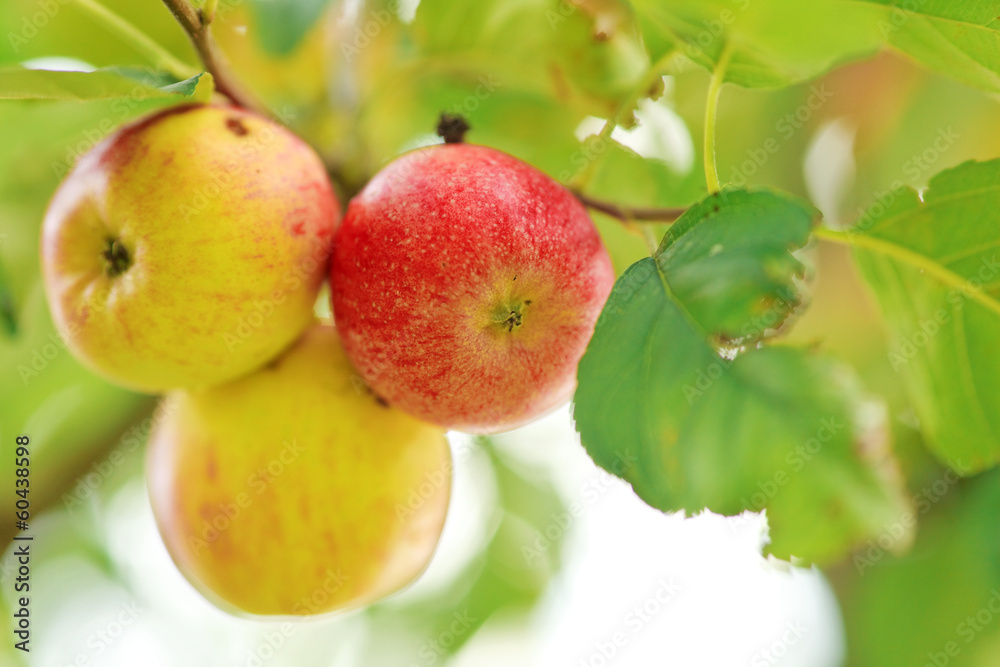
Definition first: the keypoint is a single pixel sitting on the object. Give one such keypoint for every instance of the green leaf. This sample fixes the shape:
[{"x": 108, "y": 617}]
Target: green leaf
[
  {"x": 199, "y": 88},
  {"x": 592, "y": 46},
  {"x": 728, "y": 261},
  {"x": 283, "y": 23},
  {"x": 33, "y": 84},
  {"x": 938, "y": 606},
  {"x": 934, "y": 265},
  {"x": 622, "y": 175},
  {"x": 73, "y": 414},
  {"x": 689, "y": 428},
  {"x": 774, "y": 42},
  {"x": 957, "y": 39},
  {"x": 39, "y": 29}
]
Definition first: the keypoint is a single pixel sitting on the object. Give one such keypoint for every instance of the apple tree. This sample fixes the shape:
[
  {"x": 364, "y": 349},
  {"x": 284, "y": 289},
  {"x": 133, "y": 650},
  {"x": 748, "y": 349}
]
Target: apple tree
[{"x": 799, "y": 201}]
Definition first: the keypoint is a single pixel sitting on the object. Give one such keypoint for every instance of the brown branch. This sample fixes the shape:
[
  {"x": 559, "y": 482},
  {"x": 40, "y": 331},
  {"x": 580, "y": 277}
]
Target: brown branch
[
  {"x": 629, "y": 214},
  {"x": 197, "y": 28}
]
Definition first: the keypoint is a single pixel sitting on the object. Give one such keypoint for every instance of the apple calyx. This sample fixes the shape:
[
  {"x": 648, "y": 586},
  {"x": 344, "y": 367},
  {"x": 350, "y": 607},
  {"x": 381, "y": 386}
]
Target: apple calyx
[
  {"x": 116, "y": 258},
  {"x": 510, "y": 315}
]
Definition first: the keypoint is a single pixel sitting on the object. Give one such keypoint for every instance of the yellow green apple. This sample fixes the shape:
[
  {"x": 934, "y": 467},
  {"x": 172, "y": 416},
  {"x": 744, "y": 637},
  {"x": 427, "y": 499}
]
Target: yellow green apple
[
  {"x": 295, "y": 490},
  {"x": 187, "y": 249}
]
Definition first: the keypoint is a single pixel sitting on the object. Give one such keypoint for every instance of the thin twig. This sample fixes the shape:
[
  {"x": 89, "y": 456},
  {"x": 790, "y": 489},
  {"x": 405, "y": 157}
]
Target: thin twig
[
  {"x": 641, "y": 90},
  {"x": 711, "y": 108},
  {"x": 196, "y": 25},
  {"x": 628, "y": 214}
]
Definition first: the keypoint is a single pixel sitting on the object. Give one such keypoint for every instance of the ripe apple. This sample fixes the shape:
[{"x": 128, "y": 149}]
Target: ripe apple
[
  {"x": 465, "y": 285},
  {"x": 188, "y": 248},
  {"x": 295, "y": 490}
]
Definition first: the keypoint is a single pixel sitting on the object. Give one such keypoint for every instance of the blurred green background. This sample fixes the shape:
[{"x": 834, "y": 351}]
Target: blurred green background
[{"x": 364, "y": 81}]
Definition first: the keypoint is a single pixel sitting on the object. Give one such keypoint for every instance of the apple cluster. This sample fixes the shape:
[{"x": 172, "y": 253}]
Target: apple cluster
[{"x": 184, "y": 255}]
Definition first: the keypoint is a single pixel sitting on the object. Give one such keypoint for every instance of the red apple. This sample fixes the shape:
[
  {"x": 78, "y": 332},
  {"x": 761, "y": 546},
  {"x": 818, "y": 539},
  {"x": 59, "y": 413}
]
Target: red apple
[{"x": 466, "y": 285}]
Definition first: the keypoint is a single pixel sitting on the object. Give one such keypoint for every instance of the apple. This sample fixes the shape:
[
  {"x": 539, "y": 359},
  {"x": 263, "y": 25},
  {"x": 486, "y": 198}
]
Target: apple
[
  {"x": 188, "y": 248},
  {"x": 295, "y": 490},
  {"x": 466, "y": 285}
]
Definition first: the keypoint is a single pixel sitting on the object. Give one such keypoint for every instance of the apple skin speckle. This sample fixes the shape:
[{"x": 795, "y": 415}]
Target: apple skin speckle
[
  {"x": 424, "y": 291},
  {"x": 227, "y": 237},
  {"x": 307, "y": 475}
]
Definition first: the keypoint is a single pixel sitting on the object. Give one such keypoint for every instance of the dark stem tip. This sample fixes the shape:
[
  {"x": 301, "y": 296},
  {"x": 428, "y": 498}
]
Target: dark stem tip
[{"x": 452, "y": 128}]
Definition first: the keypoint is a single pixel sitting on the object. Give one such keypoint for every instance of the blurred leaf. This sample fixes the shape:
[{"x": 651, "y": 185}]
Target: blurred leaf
[
  {"x": 938, "y": 605},
  {"x": 281, "y": 24},
  {"x": 775, "y": 42},
  {"x": 776, "y": 427},
  {"x": 592, "y": 46},
  {"x": 38, "y": 29},
  {"x": 503, "y": 115},
  {"x": 957, "y": 39},
  {"x": 34, "y": 84},
  {"x": 199, "y": 88},
  {"x": 933, "y": 261},
  {"x": 73, "y": 414}
]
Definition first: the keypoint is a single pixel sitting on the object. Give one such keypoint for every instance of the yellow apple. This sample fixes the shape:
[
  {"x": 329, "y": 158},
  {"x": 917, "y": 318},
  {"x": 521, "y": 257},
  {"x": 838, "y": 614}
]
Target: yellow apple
[
  {"x": 187, "y": 249},
  {"x": 295, "y": 490}
]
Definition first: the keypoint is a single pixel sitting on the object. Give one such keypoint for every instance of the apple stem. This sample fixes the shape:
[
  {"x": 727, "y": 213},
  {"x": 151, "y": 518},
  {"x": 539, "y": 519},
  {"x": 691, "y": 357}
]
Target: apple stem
[
  {"x": 627, "y": 213},
  {"x": 196, "y": 24},
  {"x": 452, "y": 128}
]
